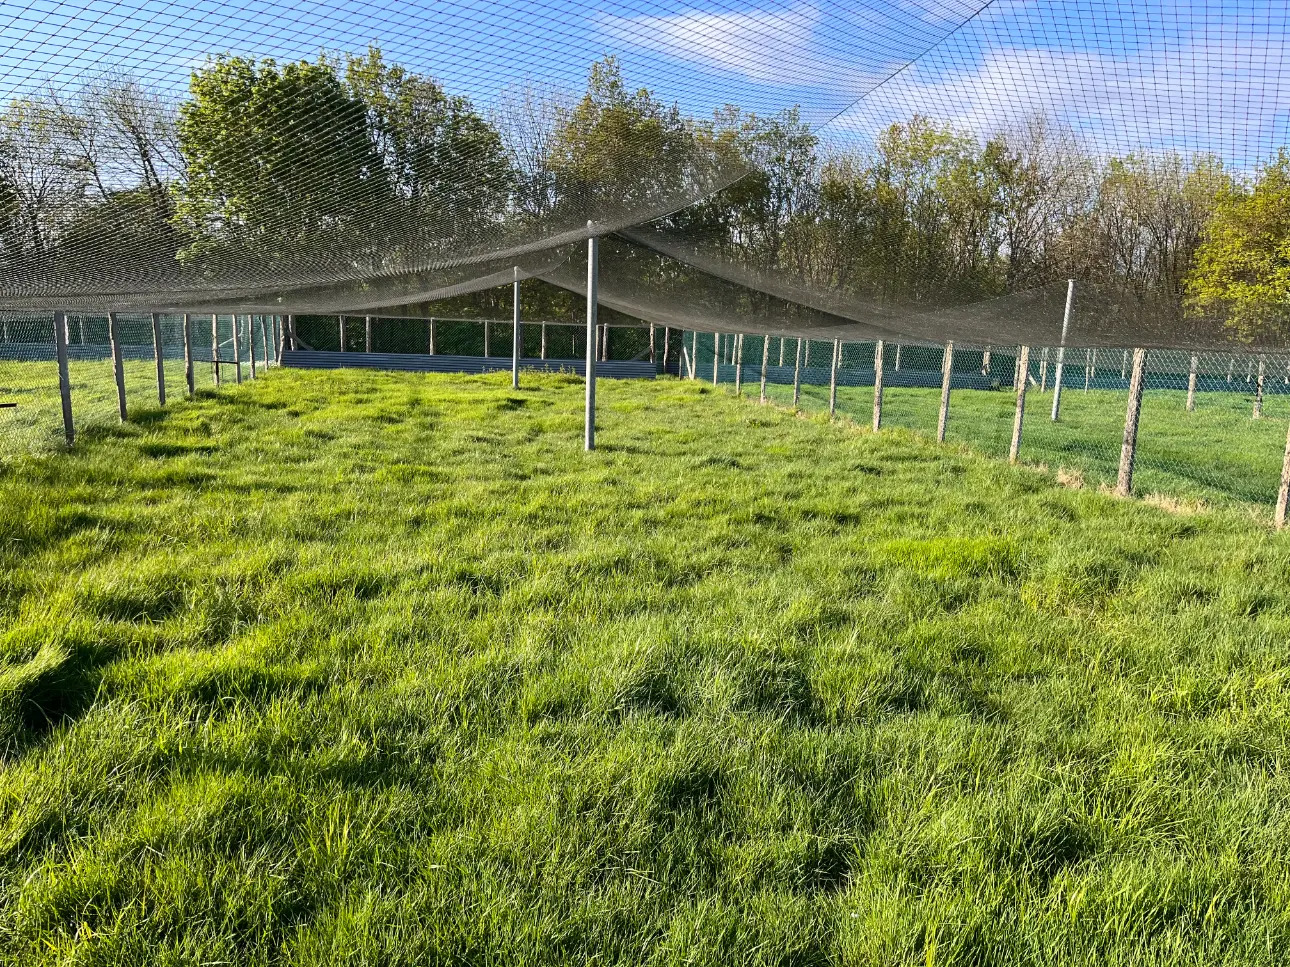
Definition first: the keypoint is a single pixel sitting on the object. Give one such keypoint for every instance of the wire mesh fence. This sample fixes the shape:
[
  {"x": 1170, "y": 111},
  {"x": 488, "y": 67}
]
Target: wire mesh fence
[{"x": 1212, "y": 425}]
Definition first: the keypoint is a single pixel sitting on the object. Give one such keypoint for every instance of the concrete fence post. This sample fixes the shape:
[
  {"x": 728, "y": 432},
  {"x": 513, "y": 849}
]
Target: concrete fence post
[
  {"x": 1129, "y": 448},
  {"x": 1023, "y": 368},
  {"x": 64, "y": 377},
  {"x": 159, "y": 352},
  {"x": 947, "y": 368},
  {"x": 118, "y": 366},
  {"x": 877, "y": 386}
]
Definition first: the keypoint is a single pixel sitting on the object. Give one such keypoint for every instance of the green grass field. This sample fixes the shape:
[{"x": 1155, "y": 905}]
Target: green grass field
[{"x": 361, "y": 668}]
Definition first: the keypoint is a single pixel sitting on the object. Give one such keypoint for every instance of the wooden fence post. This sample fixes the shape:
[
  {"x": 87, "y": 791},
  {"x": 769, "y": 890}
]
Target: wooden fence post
[
  {"x": 716, "y": 356},
  {"x": 797, "y": 374},
  {"x": 1191, "y": 385},
  {"x": 781, "y": 350},
  {"x": 765, "y": 361},
  {"x": 1258, "y": 390},
  {"x": 1023, "y": 370},
  {"x": 159, "y": 353},
  {"x": 653, "y": 355},
  {"x": 833, "y": 377},
  {"x": 877, "y": 386},
  {"x": 64, "y": 378},
  {"x": 739, "y": 364},
  {"x": 432, "y": 336},
  {"x": 667, "y": 344},
  {"x": 806, "y": 359},
  {"x": 1043, "y": 370},
  {"x": 340, "y": 325},
  {"x": 1283, "y": 495},
  {"x": 215, "y": 349},
  {"x": 542, "y": 348},
  {"x": 266, "y": 323},
  {"x": 367, "y": 334},
  {"x": 250, "y": 342},
  {"x": 896, "y": 367},
  {"x": 1129, "y": 448},
  {"x": 237, "y": 350},
  {"x": 189, "y": 380},
  {"x": 985, "y": 361},
  {"x": 118, "y": 366},
  {"x": 947, "y": 367},
  {"x": 694, "y": 355}
]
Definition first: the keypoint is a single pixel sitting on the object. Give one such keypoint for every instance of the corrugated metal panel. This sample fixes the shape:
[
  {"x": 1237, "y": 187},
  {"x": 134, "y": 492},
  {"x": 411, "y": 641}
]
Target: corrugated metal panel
[{"x": 420, "y": 363}]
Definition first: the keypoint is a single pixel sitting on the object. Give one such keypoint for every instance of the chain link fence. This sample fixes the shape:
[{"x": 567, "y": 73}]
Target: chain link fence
[{"x": 1212, "y": 426}]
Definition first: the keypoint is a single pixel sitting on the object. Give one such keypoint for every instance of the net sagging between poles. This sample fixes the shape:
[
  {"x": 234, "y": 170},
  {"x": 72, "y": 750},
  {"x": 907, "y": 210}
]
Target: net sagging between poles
[{"x": 919, "y": 171}]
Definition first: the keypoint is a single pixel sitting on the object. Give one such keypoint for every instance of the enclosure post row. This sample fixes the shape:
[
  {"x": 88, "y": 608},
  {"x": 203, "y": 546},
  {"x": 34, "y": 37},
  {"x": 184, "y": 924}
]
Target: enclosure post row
[
  {"x": 118, "y": 367},
  {"x": 593, "y": 258},
  {"x": 157, "y": 352},
  {"x": 947, "y": 366},
  {"x": 877, "y": 386},
  {"x": 1023, "y": 372},
  {"x": 188, "y": 355},
  {"x": 1283, "y": 494},
  {"x": 765, "y": 360},
  {"x": 64, "y": 379},
  {"x": 1129, "y": 448},
  {"x": 833, "y": 377},
  {"x": 1061, "y": 351},
  {"x": 797, "y": 374},
  {"x": 515, "y": 335}
]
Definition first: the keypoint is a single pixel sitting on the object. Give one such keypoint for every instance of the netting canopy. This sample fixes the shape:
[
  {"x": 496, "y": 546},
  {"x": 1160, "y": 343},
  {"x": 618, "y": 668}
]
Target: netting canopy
[{"x": 922, "y": 170}]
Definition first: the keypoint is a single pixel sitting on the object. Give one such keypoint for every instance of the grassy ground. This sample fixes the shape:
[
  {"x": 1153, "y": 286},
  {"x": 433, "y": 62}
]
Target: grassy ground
[
  {"x": 360, "y": 668},
  {"x": 1216, "y": 453}
]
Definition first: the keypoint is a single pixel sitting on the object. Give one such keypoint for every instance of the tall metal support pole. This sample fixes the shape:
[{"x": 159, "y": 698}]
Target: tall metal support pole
[
  {"x": 367, "y": 334},
  {"x": 118, "y": 367},
  {"x": 765, "y": 361},
  {"x": 189, "y": 380},
  {"x": 158, "y": 352},
  {"x": 64, "y": 378},
  {"x": 250, "y": 342},
  {"x": 340, "y": 322},
  {"x": 215, "y": 349},
  {"x": 1061, "y": 351},
  {"x": 739, "y": 364},
  {"x": 593, "y": 282},
  {"x": 237, "y": 350},
  {"x": 1023, "y": 367},
  {"x": 797, "y": 375},
  {"x": 1191, "y": 384},
  {"x": 1283, "y": 495},
  {"x": 1258, "y": 389},
  {"x": 947, "y": 367},
  {"x": 515, "y": 330},
  {"x": 877, "y": 386},
  {"x": 833, "y": 377},
  {"x": 1129, "y": 448}
]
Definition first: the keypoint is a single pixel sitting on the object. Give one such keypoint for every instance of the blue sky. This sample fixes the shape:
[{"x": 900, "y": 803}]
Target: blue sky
[{"x": 1201, "y": 75}]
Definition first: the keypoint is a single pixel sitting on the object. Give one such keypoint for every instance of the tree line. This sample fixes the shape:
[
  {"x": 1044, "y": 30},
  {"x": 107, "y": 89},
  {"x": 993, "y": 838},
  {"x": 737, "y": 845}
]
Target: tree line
[{"x": 350, "y": 165}]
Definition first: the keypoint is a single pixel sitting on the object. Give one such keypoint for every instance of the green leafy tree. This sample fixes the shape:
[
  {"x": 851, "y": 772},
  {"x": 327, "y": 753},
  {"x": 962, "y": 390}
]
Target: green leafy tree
[
  {"x": 1242, "y": 265},
  {"x": 280, "y": 165},
  {"x": 449, "y": 173}
]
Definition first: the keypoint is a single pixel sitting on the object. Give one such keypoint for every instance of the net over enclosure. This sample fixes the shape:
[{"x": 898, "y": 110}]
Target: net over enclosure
[{"x": 917, "y": 170}]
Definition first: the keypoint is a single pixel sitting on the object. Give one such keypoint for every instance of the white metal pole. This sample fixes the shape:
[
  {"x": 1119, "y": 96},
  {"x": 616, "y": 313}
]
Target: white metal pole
[
  {"x": 1061, "y": 351},
  {"x": 515, "y": 330},
  {"x": 593, "y": 259}
]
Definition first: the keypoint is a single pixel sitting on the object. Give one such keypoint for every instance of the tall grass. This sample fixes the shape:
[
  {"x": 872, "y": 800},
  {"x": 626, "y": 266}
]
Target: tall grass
[{"x": 359, "y": 668}]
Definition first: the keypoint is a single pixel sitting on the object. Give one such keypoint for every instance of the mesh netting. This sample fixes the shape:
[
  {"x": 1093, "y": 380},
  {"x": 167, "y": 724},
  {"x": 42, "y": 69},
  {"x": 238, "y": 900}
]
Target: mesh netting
[{"x": 915, "y": 171}]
